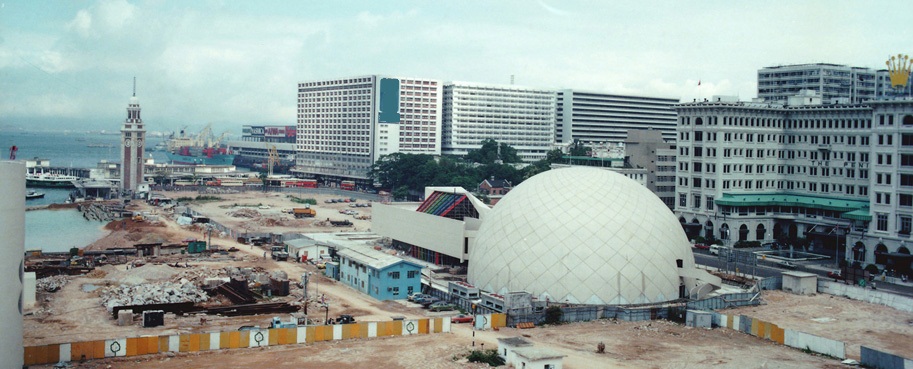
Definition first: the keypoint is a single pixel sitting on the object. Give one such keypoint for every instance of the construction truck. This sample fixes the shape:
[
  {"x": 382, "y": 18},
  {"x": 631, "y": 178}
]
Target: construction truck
[
  {"x": 341, "y": 223},
  {"x": 279, "y": 253},
  {"x": 305, "y": 212},
  {"x": 278, "y": 323}
]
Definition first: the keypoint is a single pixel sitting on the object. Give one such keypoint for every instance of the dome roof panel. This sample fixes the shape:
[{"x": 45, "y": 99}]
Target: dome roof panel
[{"x": 583, "y": 234}]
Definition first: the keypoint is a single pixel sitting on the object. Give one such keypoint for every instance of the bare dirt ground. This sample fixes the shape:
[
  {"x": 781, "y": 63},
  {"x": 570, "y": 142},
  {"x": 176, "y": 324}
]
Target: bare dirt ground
[
  {"x": 854, "y": 322},
  {"x": 72, "y": 314}
]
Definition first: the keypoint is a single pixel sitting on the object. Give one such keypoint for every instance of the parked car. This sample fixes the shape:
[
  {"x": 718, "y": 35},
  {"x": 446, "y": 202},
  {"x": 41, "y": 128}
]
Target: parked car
[
  {"x": 441, "y": 306},
  {"x": 462, "y": 318},
  {"x": 417, "y": 297},
  {"x": 701, "y": 246},
  {"x": 413, "y": 296},
  {"x": 835, "y": 274},
  {"x": 428, "y": 301},
  {"x": 422, "y": 299}
]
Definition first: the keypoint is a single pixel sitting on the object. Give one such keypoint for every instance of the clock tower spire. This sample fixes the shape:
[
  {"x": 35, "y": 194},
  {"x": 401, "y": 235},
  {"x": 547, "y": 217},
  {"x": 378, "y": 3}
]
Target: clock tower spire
[{"x": 133, "y": 137}]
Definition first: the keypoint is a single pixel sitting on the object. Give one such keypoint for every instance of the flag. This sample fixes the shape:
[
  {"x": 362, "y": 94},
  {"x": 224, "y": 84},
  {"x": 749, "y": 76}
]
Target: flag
[{"x": 698, "y": 82}]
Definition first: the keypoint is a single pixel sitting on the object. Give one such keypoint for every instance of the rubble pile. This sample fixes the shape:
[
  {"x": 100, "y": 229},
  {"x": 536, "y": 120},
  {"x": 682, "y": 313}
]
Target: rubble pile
[
  {"x": 51, "y": 284},
  {"x": 152, "y": 293},
  {"x": 245, "y": 213}
]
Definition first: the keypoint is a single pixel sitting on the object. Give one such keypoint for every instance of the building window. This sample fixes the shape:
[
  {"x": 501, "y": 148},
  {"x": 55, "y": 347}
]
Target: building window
[
  {"x": 697, "y": 201},
  {"x": 709, "y": 203},
  {"x": 906, "y": 223},
  {"x": 411, "y": 274},
  {"x": 682, "y": 200},
  {"x": 394, "y": 275},
  {"x": 395, "y": 291},
  {"x": 882, "y": 222}
]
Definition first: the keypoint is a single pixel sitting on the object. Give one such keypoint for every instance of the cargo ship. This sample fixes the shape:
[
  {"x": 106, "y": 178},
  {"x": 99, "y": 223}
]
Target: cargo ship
[{"x": 200, "y": 149}]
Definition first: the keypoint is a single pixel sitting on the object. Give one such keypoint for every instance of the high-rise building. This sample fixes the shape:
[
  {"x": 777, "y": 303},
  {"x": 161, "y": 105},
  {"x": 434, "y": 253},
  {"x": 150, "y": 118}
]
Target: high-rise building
[
  {"x": 765, "y": 172},
  {"x": 256, "y": 143},
  {"x": 133, "y": 137},
  {"x": 646, "y": 148},
  {"x": 344, "y": 125},
  {"x": 521, "y": 117},
  {"x": 596, "y": 117},
  {"x": 833, "y": 83}
]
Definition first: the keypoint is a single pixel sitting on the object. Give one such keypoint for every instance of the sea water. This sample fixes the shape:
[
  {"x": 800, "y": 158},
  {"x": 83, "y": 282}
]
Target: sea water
[{"x": 59, "y": 230}]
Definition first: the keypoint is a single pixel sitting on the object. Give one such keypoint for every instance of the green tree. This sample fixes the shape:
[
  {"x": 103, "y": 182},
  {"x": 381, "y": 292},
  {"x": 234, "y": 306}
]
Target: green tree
[
  {"x": 554, "y": 156},
  {"x": 580, "y": 150}
]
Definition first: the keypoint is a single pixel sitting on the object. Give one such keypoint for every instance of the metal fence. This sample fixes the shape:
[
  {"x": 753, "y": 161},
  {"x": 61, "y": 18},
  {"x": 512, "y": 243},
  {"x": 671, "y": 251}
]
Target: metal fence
[{"x": 725, "y": 301}]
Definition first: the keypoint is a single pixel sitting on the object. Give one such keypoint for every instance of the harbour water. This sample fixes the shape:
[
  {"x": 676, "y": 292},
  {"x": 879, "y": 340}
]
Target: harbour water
[{"x": 59, "y": 230}]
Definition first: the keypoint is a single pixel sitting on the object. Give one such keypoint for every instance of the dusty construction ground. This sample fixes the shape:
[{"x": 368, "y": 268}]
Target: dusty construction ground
[{"x": 78, "y": 315}]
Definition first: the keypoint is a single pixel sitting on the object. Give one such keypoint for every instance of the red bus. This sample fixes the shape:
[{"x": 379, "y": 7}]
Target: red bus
[
  {"x": 304, "y": 183},
  {"x": 347, "y": 185}
]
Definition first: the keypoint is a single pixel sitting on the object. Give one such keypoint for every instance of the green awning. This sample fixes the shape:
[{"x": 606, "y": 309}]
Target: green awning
[
  {"x": 861, "y": 214},
  {"x": 812, "y": 202}
]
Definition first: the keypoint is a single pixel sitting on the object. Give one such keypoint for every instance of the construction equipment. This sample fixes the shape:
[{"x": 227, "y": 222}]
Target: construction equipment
[
  {"x": 305, "y": 212},
  {"x": 341, "y": 223},
  {"x": 278, "y": 253},
  {"x": 278, "y": 323}
]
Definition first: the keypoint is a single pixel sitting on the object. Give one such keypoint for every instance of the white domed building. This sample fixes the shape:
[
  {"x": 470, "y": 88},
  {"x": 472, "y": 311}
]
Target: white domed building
[{"x": 586, "y": 236}]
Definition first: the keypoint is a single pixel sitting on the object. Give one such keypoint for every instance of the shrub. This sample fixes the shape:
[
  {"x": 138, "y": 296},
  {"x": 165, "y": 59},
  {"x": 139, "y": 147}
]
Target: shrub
[
  {"x": 489, "y": 357},
  {"x": 553, "y": 315}
]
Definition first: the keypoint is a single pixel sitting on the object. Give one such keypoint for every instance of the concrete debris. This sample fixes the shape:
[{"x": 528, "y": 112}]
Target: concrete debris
[
  {"x": 279, "y": 275},
  {"x": 51, "y": 284},
  {"x": 151, "y": 293}
]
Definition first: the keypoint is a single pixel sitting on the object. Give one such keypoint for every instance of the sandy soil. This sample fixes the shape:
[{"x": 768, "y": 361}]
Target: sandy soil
[
  {"x": 854, "y": 322},
  {"x": 74, "y": 315}
]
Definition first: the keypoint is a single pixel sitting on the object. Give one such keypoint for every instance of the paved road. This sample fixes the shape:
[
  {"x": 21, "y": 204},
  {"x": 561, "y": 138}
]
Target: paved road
[{"x": 767, "y": 269}]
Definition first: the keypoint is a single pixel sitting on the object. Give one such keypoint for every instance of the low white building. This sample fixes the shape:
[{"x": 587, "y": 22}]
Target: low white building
[
  {"x": 305, "y": 249},
  {"x": 532, "y": 357}
]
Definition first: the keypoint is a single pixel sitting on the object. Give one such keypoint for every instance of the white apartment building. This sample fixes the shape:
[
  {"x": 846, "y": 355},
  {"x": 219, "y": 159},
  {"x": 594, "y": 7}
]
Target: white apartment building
[
  {"x": 834, "y": 83},
  {"x": 344, "y": 125},
  {"x": 521, "y": 117},
  {"x": 839, "y": 175},
  {"x": 594, "y": 117}
]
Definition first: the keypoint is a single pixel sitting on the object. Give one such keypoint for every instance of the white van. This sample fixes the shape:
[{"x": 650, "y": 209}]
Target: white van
[{"x": 715, "y": 249}]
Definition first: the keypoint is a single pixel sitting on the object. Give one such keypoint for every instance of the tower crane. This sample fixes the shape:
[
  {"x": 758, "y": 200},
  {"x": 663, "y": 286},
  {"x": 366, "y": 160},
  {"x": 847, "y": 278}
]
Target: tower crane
[{"x": 273, "y": 158}]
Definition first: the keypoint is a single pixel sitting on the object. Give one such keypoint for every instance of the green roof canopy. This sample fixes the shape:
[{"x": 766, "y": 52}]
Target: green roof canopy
[
  {"x": 861, "y": 214},
  {"x": 785, "y": 199}
]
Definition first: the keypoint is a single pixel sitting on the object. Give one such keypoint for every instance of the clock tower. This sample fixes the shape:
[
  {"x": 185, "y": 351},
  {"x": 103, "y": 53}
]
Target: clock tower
[{"x": 133, "y": 137}]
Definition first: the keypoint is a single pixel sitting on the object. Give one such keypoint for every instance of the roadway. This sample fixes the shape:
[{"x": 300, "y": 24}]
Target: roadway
[{"x": 766, "y": 269}]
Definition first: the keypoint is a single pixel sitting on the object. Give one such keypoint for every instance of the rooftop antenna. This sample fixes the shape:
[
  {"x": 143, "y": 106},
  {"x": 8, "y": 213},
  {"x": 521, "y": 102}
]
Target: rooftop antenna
[{"x": 134, "y": 86}]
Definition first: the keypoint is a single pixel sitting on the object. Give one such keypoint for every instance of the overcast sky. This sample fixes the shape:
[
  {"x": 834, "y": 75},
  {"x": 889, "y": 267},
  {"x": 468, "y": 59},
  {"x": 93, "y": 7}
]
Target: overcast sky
[{"x": 70, "y": 64}]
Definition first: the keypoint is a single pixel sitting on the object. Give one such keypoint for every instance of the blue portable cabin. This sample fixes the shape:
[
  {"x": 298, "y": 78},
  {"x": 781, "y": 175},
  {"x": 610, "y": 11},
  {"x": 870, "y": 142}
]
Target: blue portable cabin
[{"x": 377, "y": 274}]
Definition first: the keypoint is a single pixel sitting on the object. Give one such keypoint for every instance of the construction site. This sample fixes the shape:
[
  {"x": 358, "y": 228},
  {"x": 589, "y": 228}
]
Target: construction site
[{"x": 163, "y": 273}]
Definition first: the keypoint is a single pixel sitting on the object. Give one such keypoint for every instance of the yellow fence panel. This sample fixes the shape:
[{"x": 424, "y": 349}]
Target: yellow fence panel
[
  {"x": 755, "y": 324},
  {"x": 274, "y": 336},
  {"x": 204, "y": 341},
  {"x": 35, "y": 355},
  {"x": 89, "y": 350},
  {"x": 423, "y": 326},
  {"x": 498, "y": 320},
  {"x": 777, "y": 334},
  {"x": 309, "y": 335}
]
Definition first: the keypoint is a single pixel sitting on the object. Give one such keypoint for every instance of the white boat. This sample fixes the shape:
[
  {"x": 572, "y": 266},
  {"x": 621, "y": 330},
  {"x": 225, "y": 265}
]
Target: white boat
[
  {"x": 50, "y": 180},
  {"x": 34, "y": 195}
]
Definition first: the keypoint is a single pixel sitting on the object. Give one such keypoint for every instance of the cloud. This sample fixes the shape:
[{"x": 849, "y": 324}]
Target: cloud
[{"x": 103, "y": 18}]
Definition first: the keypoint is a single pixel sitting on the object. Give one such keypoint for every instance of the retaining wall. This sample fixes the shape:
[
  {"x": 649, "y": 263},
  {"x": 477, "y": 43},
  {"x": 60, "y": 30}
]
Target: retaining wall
[
  {"x": 194, "y": 342},
  {"x": 788, "y": 337},
  {"x": 872, "y": 358},
  {"x": 869, "y": 295}
]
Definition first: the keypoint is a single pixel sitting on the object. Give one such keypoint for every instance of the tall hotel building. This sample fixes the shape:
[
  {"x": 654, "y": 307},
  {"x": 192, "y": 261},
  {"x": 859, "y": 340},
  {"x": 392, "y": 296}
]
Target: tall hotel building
[
  {"x": 839, "y": 175},
  {"x": 521, "y": 117},
  {"x": 834, "y": 83},
  {"x": 595, "y": 117},
  {"x": 344, "y": 125}
]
